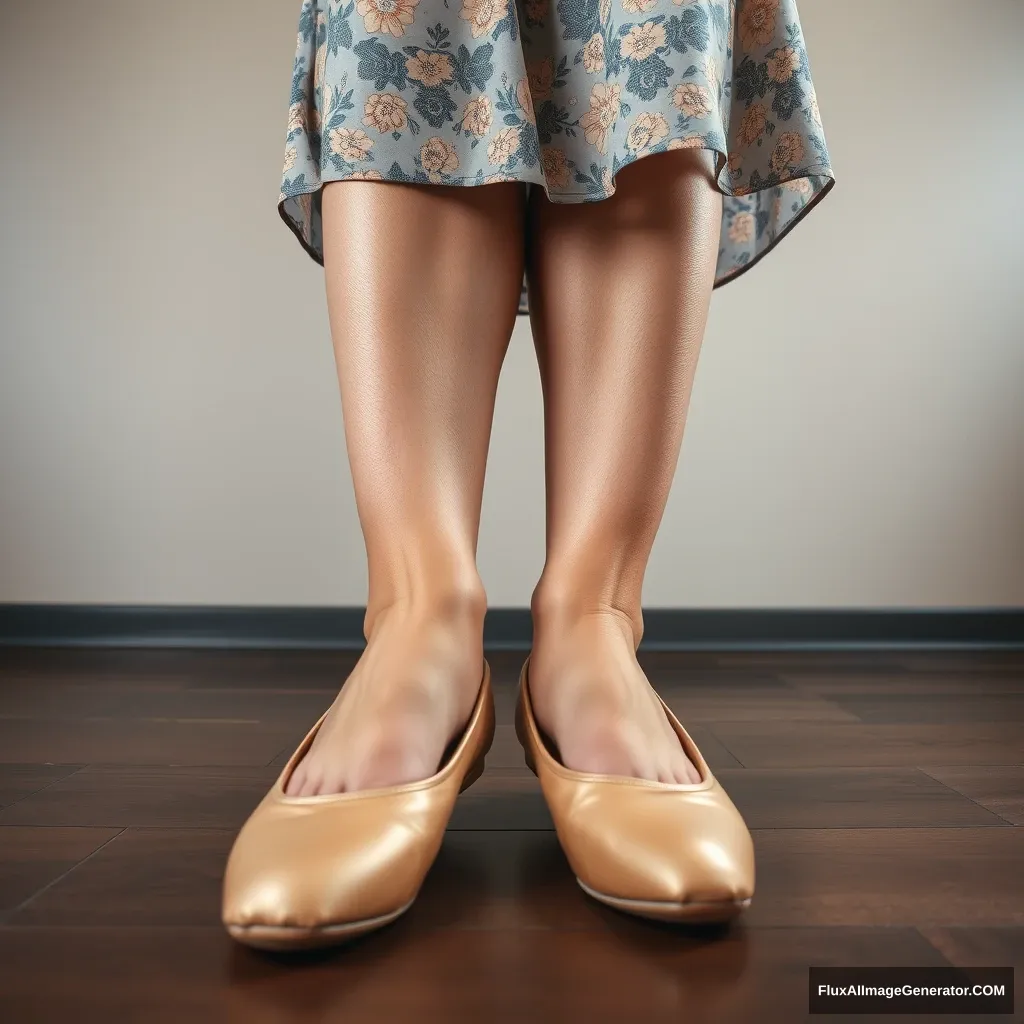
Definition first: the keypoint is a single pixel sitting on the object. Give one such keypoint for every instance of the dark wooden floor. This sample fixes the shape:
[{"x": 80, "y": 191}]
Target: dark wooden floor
[{"x": 885, "y": 792}]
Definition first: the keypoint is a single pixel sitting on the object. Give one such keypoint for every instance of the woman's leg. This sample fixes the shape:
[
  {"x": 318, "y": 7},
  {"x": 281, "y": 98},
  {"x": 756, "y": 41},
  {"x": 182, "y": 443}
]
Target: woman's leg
[
  {"x": 422, "y": 287},
  {"x": 619, "y": 298}
]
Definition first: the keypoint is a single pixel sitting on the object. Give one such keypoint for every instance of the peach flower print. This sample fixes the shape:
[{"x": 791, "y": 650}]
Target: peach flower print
[
  {"x": 801, "y": 185},
  {"x": 350, "y": 143},
  {"x": 525, "y": 100},
  {"x": 385, "y": 111},
  {"x": 370, "y": 174},
  {"x": 296, "y": 117},
  {"x": 742, "y": 228},
  {"x": 692, "y": 99},
  {"x": 789, "y": 150},
  {"x": 606, "y": 180},
  {"x": 483, "y": 15},
  {"x": 638, "y": 6},
  {"x": 438, "y": 157},
  {"x": 690, "y": 142},
  {"x": 735, "y": 165},
  {"x": 503, "y": 145},
  {"x": 593, "y": 54},
  {"x": 815, "y": 113},
  {"x": 643, "y": 40},
  {"x": 597, "y": 122},
  {"x": 319, "y": 65},
  {"x": 429, "y": 68},
  {"x": 783, "y": 63},
  {"x": 757, "y": 22},
  {"x": 387, "y": 16},
  {"x": 290, "y": 156},
  {"x": 556, "y": 169},
  {"x": 753, "y": 124},
  {"x": 477, "y": 117},
  {"x": 647, "y": 129}
]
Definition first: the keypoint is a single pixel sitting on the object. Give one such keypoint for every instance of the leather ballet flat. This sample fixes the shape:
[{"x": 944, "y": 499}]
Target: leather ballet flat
[
  {"x": 309, "y": 871},
  {"x": 673, "y": 852}
]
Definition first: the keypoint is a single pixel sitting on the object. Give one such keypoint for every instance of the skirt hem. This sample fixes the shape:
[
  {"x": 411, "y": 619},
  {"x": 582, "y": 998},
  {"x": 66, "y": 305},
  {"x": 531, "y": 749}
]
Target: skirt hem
[{"x": 823, "y": 172}]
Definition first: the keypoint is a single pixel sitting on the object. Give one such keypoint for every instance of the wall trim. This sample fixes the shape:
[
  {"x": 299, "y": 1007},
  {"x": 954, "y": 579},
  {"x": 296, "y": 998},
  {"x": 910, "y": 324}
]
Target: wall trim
[{"x": 69, "y": 625}]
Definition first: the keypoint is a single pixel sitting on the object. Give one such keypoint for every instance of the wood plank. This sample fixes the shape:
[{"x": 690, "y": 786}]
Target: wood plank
[
  {"x": 848, "y": 798},
  {"x": 889, "y": 876},
  {"x": 716, "y": 679},
  {"x": 58, "y": 702},
  {"x": 834, "y": 685},
  {"x": 836, "y": 661},
  {"x": 832, "y": 744},
  {"x": 87, "y": 666},
  {"x": 979, "y": 947},
  {"x": 18, "y": 781},
  {"x": 134, "y": 741},
  {"x": 937, "y": 708},
  {"x": 1000, "y": 788},
  {"x": 736, "y": 704},
  {"x": 31, "y": 858},
  {"x": 183, "y": 797},
  {"x": 1009, "y": 660},
  {"x": 143, "y": 876}
]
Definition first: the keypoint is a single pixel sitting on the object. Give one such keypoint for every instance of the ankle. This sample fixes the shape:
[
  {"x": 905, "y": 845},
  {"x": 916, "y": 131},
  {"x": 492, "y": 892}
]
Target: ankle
[
  {"x": 559, "y": 610},
  {"x": 460, "y": 605}
]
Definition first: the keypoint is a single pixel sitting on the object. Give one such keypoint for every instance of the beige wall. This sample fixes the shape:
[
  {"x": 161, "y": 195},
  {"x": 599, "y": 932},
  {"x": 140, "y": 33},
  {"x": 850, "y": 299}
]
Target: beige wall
[{"x": 170, "y": 429}]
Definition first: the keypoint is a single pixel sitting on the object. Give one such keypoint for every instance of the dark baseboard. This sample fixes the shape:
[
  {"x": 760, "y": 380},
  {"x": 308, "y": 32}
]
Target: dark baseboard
[{"x": 64, "y": 625}]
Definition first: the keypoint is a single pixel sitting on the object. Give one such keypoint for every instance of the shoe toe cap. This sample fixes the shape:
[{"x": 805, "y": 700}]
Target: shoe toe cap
[
  {"x": 659, "y": 846},
  {"x": 303, "y": 876}
]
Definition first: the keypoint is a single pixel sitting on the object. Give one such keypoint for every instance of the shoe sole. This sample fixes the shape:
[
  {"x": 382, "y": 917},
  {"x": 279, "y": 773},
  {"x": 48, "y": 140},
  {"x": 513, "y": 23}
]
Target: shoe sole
[
  {"x": 280, "y": 938},
  {"x": 715, "y": 912}
]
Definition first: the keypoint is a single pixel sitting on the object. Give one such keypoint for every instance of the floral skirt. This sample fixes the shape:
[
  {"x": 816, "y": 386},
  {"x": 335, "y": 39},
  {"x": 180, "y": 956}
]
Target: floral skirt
[{"x": 559, "y": 94}]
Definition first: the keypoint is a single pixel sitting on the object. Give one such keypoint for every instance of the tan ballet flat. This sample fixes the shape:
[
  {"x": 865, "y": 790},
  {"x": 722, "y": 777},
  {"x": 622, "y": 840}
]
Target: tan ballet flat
[
  {"x": 672, "y": 852},
  {"x": 310, "y": 871}
]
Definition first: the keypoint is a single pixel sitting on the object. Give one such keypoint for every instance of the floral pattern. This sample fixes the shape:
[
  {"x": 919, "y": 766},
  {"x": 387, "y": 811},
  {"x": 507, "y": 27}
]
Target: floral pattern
[{"x": 561, "y": 95}]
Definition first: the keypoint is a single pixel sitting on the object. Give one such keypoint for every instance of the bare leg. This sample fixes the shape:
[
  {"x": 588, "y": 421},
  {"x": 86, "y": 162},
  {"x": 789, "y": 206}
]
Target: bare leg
[
  {"x": 620, "y": 291},
  {"x": 422, "y": 288}
]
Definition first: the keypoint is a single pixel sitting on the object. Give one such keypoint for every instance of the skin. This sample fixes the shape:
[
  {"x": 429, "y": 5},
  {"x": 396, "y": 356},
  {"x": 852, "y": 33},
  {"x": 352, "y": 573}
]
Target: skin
[{"x": 422, "y": 290}]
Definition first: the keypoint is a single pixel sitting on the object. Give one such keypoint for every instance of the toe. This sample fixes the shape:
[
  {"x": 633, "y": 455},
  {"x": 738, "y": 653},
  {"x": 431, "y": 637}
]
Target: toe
[
  {"x": 296, "y": 781},
  {"x": 312, "y": 784}
]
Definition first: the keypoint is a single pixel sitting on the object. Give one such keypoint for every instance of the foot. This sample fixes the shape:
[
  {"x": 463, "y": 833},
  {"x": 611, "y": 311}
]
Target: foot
[
  {"x": 411, "y": 693},
  {"x": 591, "y": 697}
]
